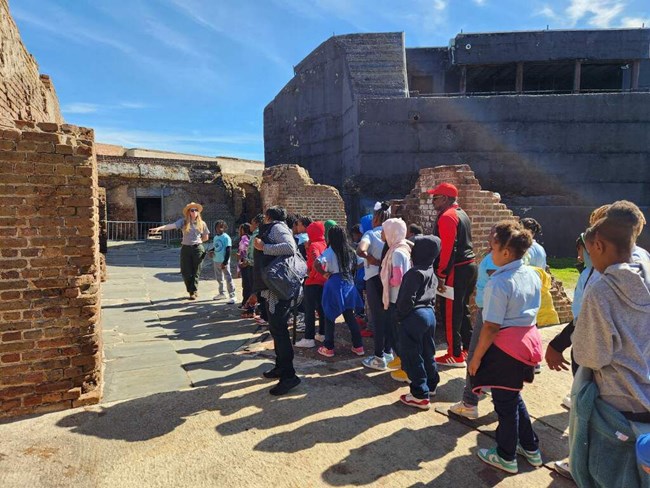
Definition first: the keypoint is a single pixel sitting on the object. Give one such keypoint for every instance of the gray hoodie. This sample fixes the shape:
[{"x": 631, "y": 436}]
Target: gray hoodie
[{"x": 612, "y": 336}]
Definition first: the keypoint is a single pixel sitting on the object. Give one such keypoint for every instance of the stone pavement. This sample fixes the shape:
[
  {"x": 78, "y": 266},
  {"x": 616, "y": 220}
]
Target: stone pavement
[{"x": 185, "y": 405}]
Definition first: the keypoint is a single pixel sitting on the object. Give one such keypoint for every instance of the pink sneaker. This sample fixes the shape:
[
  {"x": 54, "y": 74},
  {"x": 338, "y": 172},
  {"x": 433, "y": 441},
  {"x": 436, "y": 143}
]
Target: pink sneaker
[
  {"x": 358, "y": 351},
  {"x": 323, "y": 351}
]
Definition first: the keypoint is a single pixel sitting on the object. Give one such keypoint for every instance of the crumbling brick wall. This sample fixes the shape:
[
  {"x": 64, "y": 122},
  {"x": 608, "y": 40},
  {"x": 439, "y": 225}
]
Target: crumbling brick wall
[
  {"x": 290, "y": 186},
  {"x": 50, "y": 350},
  {"x": 484, "y": 209},
  {"x": 24, "y": 93}
]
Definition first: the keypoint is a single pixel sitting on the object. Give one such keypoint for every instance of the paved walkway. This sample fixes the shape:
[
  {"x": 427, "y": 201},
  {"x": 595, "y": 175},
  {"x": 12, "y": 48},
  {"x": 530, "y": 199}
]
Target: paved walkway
[{"x": 184, "y": 405}]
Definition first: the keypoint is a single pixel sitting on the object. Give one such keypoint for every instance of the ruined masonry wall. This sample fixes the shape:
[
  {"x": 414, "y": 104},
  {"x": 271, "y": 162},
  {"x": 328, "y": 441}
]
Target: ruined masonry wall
[
  {"x": 484, "y": 209},
  {"x": 50, "y": 350},
  {"x": 290, "y": 186},
  {"x": 24, "y": 93}
]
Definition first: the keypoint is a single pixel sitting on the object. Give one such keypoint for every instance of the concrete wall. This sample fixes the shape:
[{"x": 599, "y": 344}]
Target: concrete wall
[
  {"x": 24, "y": 93},
  {"x": 549, "y": 45},
  {"x": 50, "y": 337}
]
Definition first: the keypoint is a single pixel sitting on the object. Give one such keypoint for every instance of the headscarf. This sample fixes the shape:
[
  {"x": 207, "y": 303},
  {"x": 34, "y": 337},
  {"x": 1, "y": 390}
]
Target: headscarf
[
  {"x": 395, "y": 233},
  {"x": 328, "y": 225}
]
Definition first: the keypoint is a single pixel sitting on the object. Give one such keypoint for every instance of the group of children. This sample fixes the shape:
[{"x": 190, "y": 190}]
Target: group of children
[{"x": 388, "y": 272}]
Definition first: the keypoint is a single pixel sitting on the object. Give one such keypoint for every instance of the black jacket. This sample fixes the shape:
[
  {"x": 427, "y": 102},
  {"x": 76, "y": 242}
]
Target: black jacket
[{"x": 418, "y": 288}]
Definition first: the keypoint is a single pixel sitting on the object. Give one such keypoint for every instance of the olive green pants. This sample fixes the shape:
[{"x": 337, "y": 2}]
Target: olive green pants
[{"x": 191, "y": 259}]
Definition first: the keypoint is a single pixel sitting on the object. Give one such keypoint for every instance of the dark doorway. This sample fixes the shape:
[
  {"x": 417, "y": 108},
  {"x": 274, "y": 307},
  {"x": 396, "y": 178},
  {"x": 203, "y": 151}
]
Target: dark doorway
[{"x": 149, "y": 209}]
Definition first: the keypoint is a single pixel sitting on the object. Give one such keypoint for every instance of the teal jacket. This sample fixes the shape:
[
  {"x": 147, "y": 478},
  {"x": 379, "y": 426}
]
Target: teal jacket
[{"x": 601, "y": 440}]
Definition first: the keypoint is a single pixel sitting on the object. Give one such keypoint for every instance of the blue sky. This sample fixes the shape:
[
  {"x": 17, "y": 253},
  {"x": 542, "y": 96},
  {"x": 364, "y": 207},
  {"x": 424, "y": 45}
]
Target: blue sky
[{"x": 195, "y": 75}]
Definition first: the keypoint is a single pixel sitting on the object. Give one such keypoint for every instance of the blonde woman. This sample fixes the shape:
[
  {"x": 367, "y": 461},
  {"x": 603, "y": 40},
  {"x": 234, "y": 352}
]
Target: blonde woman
[{"x": 195, "y": 233}]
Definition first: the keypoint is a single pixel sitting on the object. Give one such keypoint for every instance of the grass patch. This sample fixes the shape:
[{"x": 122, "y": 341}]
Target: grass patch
[{"x": 564, "y": 269}]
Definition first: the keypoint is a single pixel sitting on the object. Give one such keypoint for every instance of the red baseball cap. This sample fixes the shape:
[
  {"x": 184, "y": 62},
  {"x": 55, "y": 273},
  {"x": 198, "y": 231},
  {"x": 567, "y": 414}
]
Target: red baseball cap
[{"x": 445, "y": 189}]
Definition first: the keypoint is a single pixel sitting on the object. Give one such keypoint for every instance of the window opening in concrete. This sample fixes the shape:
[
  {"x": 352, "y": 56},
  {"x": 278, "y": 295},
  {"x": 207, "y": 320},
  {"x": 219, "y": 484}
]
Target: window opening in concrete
[
  {"x": 549, "y": 77},
  {"x": 493, "y": 78},
  {"x": 603, "y": 76},
  {"x": 452, "y": 80},
  {"x": 421, "y": 84}
]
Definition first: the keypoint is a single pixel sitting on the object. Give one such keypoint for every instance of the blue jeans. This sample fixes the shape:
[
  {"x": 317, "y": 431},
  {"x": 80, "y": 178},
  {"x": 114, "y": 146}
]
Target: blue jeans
[
  {"x": 348, "y": 315},
  {"x": 312, "y": 300},
  {"x": 514, "y": 424},
  {"x": 417, "y": 350}
]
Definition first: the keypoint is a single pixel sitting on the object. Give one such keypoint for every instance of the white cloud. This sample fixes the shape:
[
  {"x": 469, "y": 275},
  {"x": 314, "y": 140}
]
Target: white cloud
[
  {"x": 635, "y": 22},
  {"x": 480, "y": 3},
  {"x": 601, "y": 14},
  {"x": 80, "y": 108}
]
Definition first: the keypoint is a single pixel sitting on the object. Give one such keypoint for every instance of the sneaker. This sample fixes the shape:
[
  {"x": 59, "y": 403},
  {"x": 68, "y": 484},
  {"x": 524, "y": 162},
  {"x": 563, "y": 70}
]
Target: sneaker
[
  {"x": 462, "y": 410},
  {"x": 323, "y": 351},
  {"x": 284, "y": 386},
  {"x": 319, "y": 337},
  {"x": 451, "y": 361},
  {"x": 394, "y": 363},
  {"x": 192, "y": 296},
  {"x": 305, "y": 343},
  {"x": 271, "y": 373},
  {"x": 491, "y": 457},
  {"x": 538, "y": 368},
  {"x": 432, "y": 393},
  {"x": 566, "y": 402},
  {"x": 534, "y": 458},
  {"x": 373, "y": 362},
  {"x": 219, "y": 296},
  {"x": 389, "y": 357},
  {"x": 231, "y": 301},
  {"x": 367, "y": 333},
  {"x": 261, "y": 321},
  {"x": 465, "y": 354},
  {"x": 562, "y": 468},
  {"x": 400, "y": 375},
  {"x": 358, "y": 351},
  {"x": 411, "y": 401}
]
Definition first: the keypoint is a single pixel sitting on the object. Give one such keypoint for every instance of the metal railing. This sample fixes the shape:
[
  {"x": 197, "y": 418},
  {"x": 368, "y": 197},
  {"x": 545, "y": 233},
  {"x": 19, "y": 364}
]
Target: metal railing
[{"x": 123, "y": 230}]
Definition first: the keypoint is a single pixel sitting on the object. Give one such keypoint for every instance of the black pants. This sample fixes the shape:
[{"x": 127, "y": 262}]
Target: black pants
[
  {"x": 383, "y": 332},
  {"x": 191, "y": 259},
  {"x": 455, "y": 313},
  {"x": 281, "y": 339},
  {"x": 246, "y": 282},
  {"x": 313, "y": 302}
]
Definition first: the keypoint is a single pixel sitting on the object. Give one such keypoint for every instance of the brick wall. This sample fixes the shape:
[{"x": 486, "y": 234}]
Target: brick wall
[
  {"x": 290, "y": 186},
  {"x": 484, "y": 209},
  {"x": 50, "y": 350},
  {"x": 24, "y": 93}
]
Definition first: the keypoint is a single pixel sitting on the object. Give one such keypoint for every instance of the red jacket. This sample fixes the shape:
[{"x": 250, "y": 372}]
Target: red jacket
[
  {"x": 315, "y": 247},
  {"x": 453, "y": 227}
]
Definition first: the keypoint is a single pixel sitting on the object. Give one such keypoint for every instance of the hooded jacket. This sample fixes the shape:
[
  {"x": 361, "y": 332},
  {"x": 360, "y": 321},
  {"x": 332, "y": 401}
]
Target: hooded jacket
[
  {"x": 419, "y": 284},
  {"x": 612, "y": 336},
  {"x": 397, "y": 260},
  {"x": 316, "y": 246}
]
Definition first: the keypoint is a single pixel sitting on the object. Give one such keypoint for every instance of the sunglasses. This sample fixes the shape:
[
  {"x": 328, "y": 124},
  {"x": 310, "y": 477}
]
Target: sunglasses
[
  {"x": 435, "y": 197},
  {"x": 194, "y": 210}
]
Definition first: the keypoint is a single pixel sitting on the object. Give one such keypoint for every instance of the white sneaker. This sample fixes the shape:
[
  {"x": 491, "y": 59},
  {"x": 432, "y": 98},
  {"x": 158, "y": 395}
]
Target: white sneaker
[
  {"x": 319, "y": 337},
  {"x": 231, "y": 301},
  {"x": 305, "y": 343},
  {"x": 373, "y": 362},
  {"x": 566, "y": 401},
  {"x": 469, "y": 412},
  {"x": 219, "y": 296},
  {"x": 389, "y": 357}
]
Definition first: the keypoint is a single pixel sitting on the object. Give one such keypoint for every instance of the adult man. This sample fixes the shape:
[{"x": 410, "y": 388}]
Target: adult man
[
  {"x": 275, "y": 239},
  {"x": 456, "y": 270}
]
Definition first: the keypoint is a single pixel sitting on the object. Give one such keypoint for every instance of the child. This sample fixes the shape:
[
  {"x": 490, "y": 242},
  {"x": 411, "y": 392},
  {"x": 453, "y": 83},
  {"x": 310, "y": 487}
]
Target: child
[
  {"x": 611, "y": 338},
  {"x": 509, "y": 346},
  {"x": 468, "y": 406},
  {"x": 418, "y": 322},
  {"x": 394, "y": 266},
  {"x": 359, "y": 281},
  {"x": 536, "y": 255},
  {"x": 370, "y": 249},
  {"x": 414, "y": 230},
  {"x": 221, "y": 260},
  {"x": 244, "y": 269},
  {"x": 314, "y": 287},
  {"x": 337, "y": 264}
]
